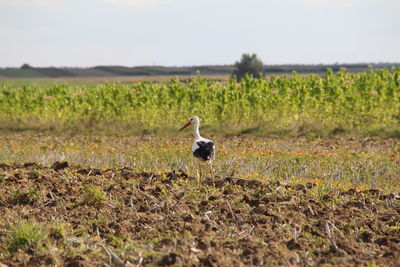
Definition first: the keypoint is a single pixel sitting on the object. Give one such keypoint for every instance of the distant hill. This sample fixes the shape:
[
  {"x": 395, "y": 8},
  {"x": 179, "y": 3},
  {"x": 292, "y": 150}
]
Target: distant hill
[{"x": 27, "y": 71}]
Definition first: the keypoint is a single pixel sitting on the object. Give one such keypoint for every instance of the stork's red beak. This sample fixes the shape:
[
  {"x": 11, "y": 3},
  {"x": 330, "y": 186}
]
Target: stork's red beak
[{"x": 184, "y": 126}]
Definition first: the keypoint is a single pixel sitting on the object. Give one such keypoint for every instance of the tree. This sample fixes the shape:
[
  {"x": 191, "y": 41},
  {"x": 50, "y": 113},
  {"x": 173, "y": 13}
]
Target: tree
[
  {"x": 25, "y": 66},
  {"x": 249, "y": 64}
]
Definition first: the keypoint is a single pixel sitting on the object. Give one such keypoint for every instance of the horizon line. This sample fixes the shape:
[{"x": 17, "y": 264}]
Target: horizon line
[{"x": 191, "y": 66}]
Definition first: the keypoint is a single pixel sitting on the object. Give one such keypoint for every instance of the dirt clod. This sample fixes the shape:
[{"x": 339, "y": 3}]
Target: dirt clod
[{"x": 59, "y": 165}]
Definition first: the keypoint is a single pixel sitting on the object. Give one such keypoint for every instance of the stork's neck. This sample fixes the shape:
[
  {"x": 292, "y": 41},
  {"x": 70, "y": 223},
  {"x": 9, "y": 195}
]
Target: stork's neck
[{"x": 196, "y": 131}]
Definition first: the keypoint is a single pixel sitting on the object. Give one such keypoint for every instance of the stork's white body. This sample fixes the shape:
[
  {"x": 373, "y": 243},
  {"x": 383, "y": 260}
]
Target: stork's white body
[{"x": 203, "y": 149}]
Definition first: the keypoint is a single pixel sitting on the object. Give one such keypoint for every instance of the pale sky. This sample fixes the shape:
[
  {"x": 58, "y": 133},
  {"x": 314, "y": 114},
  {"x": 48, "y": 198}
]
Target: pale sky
[{"x": 88, "y": 33}]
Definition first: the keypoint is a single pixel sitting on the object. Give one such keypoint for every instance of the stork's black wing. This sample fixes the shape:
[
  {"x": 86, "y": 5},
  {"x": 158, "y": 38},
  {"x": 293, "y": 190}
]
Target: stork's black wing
[{"x": 205, "y": 150}]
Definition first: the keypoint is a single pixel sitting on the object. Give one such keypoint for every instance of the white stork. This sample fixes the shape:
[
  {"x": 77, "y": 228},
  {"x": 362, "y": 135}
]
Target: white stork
[{"x": 202, "y": 148}]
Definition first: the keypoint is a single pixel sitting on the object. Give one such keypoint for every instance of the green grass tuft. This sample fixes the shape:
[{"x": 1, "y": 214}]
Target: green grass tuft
[
  {"x": 25, "y": 235},
  {"x": 24, "y": 197},
  {"x": 93, "y": 196}
]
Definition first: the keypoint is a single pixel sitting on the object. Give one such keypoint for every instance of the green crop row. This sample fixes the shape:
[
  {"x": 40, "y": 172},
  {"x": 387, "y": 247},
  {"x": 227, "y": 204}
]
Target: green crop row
[{"x": 336, "y": 102}]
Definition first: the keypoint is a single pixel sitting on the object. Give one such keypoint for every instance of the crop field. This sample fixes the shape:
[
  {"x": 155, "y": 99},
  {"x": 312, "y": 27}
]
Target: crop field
[
  {"x": 307, "y": 172},
  {"x": 358, "y": 104}
]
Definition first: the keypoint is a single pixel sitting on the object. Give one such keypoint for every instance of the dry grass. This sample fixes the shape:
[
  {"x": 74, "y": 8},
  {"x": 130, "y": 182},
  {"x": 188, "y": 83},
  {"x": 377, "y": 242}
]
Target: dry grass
[{"x": 335, "y": 162}]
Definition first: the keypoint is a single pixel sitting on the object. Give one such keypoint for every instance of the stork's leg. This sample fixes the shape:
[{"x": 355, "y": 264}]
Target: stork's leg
[
  {"x": 200, "y": 173},
  {"x": 212, "y": 174}
]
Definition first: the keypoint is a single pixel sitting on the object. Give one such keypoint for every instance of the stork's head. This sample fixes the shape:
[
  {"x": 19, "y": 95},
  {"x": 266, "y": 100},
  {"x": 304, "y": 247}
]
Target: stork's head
[{"x": 192, "y": 121}]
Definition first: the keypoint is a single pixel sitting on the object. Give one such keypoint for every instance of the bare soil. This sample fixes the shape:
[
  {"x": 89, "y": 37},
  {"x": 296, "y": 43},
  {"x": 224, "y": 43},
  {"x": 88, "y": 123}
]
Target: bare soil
[{"x": 171, "y": 220}]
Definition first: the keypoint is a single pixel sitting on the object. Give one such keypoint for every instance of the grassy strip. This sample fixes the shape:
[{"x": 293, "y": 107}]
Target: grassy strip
[{"x": 342, "y": 162}]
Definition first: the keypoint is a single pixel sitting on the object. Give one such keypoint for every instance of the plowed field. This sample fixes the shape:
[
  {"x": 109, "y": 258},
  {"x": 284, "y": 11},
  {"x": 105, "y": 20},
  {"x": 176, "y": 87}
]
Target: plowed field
[{"x": 68, "y": 215}]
